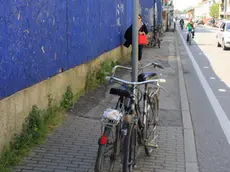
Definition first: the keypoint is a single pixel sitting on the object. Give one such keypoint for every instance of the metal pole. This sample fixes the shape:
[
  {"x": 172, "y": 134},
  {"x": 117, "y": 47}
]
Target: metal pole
[
  {"x": 225, "y": 8},
  {"x": 154, "y": 19},
  {"x": 135, "y": 41}
]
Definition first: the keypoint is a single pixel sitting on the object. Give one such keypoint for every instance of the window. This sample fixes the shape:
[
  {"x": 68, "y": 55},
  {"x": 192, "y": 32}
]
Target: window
[
  {"x": 228, "y": 27},
  {"x": 222, "y": 25}
]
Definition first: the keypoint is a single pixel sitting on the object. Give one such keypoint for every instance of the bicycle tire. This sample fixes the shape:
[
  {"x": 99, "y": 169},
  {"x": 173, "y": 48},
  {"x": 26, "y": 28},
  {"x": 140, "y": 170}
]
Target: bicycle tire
[
  {"x": 150, "y": 44},
  {"x": 126, "y": 166},
  {"x": 152, "y": 120},
  {"x": 100, "y": 165},
  {"x": 117, "y": 148},
  {"x": 189, "y": 39},
  {"x": 159, "y": 43},
  {"x": 136, "y": 139}
]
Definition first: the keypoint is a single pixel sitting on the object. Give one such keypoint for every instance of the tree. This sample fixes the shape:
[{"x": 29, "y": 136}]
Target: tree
[{"x": 214, "y": 10}]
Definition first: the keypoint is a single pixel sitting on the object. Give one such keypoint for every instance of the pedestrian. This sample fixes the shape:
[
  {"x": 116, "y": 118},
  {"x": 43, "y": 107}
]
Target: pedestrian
[
  {"x": 142, "y": 29},
  {"x": 213, "y": 22}
]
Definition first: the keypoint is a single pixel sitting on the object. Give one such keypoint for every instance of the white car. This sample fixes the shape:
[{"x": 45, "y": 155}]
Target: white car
[{"x": 223, "y": 35}]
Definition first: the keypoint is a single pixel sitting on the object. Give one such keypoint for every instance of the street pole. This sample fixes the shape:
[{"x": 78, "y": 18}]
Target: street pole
[
  {"x": 154, "y": 20},
  {"x": 225, "y": 8},
  {"x": 135, "y": 41}
]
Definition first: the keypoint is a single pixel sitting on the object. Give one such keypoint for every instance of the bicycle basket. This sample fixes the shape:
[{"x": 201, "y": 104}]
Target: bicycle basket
[{"x": 111, "y": 117}]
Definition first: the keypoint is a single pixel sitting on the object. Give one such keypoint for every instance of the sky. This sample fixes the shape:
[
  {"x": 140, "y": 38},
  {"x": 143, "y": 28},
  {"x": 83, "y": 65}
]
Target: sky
[{"x": 183, "y": 4}]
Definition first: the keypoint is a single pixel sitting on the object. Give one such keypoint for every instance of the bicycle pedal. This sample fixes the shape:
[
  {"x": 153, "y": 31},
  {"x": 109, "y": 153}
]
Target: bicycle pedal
[{"x": 151, "y": 145}]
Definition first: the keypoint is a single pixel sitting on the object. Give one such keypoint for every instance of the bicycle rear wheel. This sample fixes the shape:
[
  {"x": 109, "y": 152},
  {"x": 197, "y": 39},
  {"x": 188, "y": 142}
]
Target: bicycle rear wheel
[{"x": 108, "y": 152}]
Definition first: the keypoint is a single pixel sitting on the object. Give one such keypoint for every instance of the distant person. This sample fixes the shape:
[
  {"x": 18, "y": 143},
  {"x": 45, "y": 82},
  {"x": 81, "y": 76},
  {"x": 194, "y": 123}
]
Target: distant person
[
  {"x": 181, "y": 23},
  {"x": 142, "y": 29},
  {"x": 213, "y": 22}
]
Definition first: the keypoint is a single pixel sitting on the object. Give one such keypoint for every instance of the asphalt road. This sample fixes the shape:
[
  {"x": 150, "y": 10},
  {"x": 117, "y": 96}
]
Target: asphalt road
[{"x": 207, "y": 76}]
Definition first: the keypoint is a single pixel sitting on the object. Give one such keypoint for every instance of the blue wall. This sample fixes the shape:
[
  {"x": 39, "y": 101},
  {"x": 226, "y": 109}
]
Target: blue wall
[
  {"x": 40, "y": 37},
  {"x": 147, "y": 11}
]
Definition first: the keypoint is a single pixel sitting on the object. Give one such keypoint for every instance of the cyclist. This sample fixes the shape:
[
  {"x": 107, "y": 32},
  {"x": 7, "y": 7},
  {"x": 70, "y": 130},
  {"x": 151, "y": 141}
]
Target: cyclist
[{"x": 190, "y": 28}]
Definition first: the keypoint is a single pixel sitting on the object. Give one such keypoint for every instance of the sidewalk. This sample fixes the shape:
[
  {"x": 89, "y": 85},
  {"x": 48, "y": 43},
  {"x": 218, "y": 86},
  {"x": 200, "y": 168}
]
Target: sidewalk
[{"x": 73, "y": 146}]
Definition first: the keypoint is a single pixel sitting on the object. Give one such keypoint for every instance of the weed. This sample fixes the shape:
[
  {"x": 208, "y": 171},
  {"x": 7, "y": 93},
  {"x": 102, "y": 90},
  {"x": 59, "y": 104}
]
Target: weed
[
  {"x": 35, "y": 128},
  {"x": 67, "y": 99},
  {"x": 97, "y": 76}
]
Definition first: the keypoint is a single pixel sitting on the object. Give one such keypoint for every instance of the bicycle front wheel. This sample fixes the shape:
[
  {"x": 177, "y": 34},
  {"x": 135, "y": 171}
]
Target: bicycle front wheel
[
  {"x": 128, "y": 150},
  {"x": 150, "y": 129}
]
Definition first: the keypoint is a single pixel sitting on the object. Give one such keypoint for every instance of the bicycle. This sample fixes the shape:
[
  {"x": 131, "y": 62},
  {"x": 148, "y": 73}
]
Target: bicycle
[
  {"x": 128, "y": 124},
  {"x": 153, "y": 38},
  {"x": 161, "y": 30}
]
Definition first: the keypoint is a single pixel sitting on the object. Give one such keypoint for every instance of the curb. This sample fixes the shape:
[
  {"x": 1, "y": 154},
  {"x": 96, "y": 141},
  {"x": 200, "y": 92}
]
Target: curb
[{"x": 189, "y": 140}]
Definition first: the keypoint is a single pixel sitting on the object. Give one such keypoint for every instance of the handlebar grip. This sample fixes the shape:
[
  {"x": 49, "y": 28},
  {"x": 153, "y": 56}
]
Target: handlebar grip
[
  {"x": 160, "y": 66},
  {"x": 162, "y": 80},
  {"x": 157, "y": 65}
]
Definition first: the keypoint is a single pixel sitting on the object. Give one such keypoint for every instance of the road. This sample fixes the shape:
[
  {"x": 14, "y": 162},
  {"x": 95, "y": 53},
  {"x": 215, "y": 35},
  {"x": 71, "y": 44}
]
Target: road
[{"x": 206, "y": 69}]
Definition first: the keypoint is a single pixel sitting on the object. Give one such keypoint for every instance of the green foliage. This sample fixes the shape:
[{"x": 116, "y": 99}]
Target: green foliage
[
  {"x": 67, "y": 99},
  {"x": 35, "y": 128},
  {"x": 33, "y": 131},
  {"x": 97, "y": 76},
  {"x": 214, "y": 10}
]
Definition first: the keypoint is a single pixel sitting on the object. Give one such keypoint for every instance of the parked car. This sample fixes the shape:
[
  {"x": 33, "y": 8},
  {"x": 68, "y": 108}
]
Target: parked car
[{"x": 223, "y": 35}]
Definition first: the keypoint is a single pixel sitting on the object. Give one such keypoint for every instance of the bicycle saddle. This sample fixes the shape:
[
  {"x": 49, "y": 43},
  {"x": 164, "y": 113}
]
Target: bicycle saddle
[{"x": 146, "y": 75}]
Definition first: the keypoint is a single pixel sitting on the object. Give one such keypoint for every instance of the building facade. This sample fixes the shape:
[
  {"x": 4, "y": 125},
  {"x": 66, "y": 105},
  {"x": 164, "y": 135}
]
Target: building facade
[{"x": 202, "y": 10}]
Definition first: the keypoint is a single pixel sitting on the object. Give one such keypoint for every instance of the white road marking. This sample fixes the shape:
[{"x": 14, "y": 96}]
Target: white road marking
[
  {"x": 221, "y": 90},
  {"x": 206, "y": 67},
  {"x": 220, "y": 114},
  {"x": 212, "y": 78}
]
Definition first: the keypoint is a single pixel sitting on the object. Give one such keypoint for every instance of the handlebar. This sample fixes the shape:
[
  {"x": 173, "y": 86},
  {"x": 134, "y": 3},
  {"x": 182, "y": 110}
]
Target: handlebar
[
  {"x": 154, "y": 64},
  {"x": 156, "y": 81}
]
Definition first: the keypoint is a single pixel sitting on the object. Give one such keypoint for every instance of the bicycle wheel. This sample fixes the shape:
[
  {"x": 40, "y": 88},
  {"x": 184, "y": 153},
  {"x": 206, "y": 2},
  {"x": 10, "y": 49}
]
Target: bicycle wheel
[
  {"x": 159, "y": 43},
  {"x": 150, "y": 43},
  {"x": 150, "y": 129},
  {"x": 128, "y": 150},
  {"x": 108, "y": 152},
  {"x": 190, "y": 39}
]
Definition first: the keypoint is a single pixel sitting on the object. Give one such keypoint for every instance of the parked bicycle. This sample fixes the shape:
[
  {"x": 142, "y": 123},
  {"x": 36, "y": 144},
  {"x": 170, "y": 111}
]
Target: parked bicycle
[
  {"x": 161, "y": 30},
  {"x": 125, "y": 128},
  {"x": 153, "y": 38}
]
